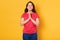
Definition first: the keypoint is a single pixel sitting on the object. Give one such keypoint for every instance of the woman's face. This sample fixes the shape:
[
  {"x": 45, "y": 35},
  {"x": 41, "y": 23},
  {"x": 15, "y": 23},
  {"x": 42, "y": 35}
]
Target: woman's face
[{"x": 30, "y": 6}]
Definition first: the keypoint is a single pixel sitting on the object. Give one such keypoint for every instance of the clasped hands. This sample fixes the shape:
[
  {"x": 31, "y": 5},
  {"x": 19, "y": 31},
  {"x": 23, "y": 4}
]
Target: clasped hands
[
  {"x": 32, "y": 19},
  {"x": 30, "y": 16}
]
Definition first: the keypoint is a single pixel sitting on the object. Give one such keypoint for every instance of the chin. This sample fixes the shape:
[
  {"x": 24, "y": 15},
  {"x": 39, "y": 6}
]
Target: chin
[{"x": 30, "y": 9}]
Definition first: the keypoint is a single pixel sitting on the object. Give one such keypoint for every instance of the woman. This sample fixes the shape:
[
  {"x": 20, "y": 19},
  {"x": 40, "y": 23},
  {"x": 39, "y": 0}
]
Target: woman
[{"x": 30, "y": 20}]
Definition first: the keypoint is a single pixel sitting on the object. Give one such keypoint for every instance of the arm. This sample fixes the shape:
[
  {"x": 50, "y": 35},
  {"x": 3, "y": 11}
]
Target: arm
[
  {"x": 24, "y": 21},
  {"x": 35, "y": 22}
]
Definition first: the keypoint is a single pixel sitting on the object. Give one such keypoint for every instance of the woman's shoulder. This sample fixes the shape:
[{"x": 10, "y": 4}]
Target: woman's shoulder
[
  {"x": 35, "y": 13},
  {"x": 23, "y": 15}
]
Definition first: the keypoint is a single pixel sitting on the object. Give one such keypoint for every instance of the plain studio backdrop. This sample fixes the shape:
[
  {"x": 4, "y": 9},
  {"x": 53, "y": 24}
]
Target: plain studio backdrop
[{"x": 10, "y": 15}]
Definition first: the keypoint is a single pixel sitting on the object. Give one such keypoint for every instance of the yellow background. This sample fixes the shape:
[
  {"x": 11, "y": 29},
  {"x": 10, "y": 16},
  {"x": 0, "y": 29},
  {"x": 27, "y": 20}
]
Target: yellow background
[{"x": 10, "y": 15}]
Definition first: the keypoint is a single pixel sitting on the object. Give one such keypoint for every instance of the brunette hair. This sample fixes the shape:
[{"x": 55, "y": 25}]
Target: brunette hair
[{"x": 33, "y": 10}]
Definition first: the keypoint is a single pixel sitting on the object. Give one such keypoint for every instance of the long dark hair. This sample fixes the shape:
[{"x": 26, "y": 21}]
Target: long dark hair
[{"x": 33, "y": 10}]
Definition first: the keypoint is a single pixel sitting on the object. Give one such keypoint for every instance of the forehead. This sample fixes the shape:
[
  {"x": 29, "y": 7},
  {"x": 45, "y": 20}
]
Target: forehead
[{"x": 29, "y": 3}]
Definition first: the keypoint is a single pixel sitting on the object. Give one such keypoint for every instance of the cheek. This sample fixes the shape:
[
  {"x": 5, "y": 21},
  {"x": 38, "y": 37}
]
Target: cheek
[{"x": 30, "y": 7}]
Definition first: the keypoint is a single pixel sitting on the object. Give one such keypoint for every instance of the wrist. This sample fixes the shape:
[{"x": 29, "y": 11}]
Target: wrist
[{"x": 31, "y": 18}]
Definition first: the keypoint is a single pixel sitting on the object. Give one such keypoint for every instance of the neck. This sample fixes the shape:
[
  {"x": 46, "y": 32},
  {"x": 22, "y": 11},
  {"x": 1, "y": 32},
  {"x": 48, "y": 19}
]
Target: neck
[{"x": 29, "y": 12}]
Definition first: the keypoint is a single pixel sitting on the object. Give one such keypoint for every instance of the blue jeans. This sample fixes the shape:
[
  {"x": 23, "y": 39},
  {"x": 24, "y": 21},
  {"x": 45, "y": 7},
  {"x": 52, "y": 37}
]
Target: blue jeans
[{"x": 30, "y": 36}]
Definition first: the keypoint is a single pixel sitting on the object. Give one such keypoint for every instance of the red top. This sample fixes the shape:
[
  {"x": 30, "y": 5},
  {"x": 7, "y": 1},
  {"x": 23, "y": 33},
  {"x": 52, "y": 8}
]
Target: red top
[{"x": 30, "y": 27}]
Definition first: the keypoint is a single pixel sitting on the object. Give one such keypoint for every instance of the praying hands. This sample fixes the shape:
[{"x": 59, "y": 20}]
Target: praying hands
[
  {"x": 30, "y": 18},
  {"x": 35, "y": 22}
]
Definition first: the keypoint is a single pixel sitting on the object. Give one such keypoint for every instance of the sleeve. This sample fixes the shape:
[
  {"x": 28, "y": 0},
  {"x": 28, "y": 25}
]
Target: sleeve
[{"x": 37, "y": 16}]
